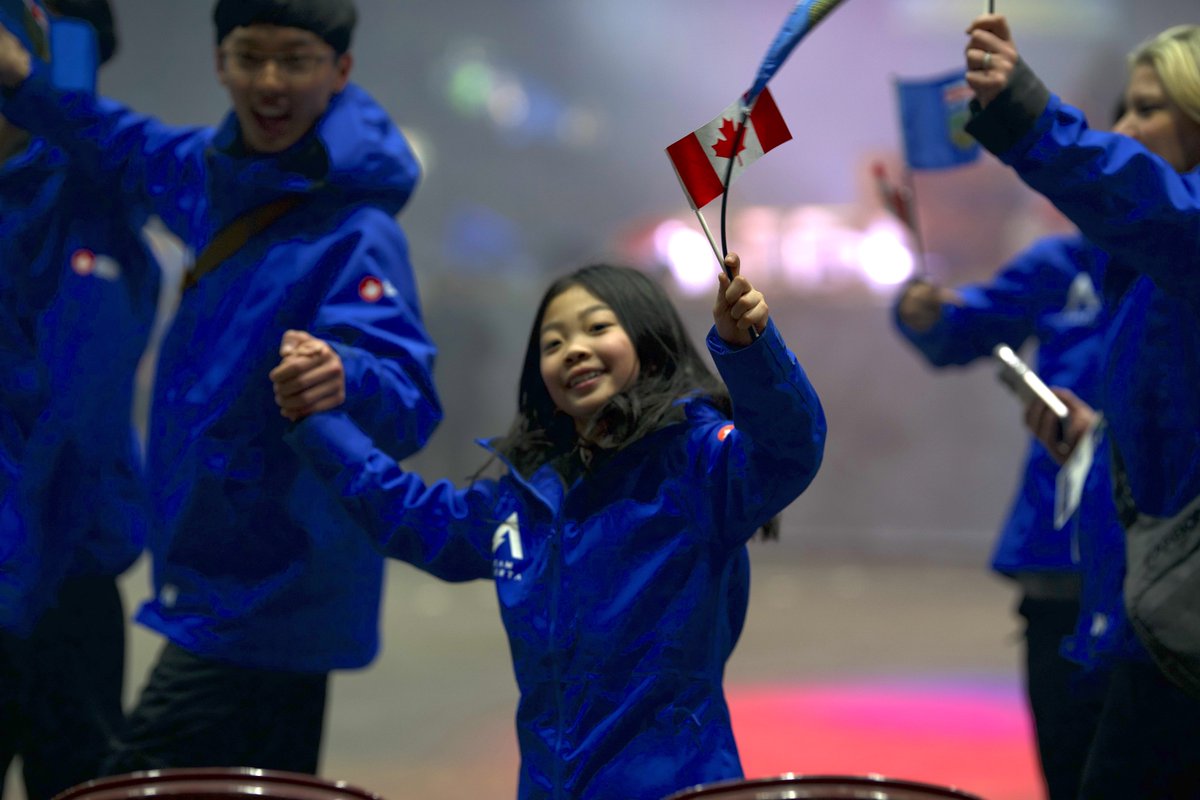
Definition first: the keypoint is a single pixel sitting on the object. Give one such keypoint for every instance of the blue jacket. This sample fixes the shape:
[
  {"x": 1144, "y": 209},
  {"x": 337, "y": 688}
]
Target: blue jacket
[
  {"x": 1146, "y": 216},
  {"x": 78, "y": 293},
  {"x": 253, "y": 563},
  {"x": 624, "y": 593},
  {"x": 1048, "y": 292},
  {"x": 1103, "y": 635}
]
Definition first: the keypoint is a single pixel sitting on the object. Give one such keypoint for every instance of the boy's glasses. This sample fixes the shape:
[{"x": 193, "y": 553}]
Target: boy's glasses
[{"x": 250, "y": 64}]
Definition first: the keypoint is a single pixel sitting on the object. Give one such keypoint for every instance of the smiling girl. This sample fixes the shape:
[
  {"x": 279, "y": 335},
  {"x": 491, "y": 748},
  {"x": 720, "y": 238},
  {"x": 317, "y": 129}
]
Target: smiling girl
[{"x": 617, "y": 535}]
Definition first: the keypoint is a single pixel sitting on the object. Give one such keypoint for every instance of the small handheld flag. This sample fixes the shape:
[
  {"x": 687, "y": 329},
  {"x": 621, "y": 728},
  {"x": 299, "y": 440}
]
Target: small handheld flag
[
  {"x": 933, "y": 118},
  {"x": 68, "y": 45},
  {"x": 800, "y": 22},
  {"x": 702, "y": 157},
  {"x": 896, "y": 199}
]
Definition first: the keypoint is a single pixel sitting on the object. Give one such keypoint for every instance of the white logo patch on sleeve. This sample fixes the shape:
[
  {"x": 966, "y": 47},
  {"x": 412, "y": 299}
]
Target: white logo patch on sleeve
[
  {"x": 370, "y": 289},
  {"x": 84, "y": 263},
  {"x": 509, "y": 529}
]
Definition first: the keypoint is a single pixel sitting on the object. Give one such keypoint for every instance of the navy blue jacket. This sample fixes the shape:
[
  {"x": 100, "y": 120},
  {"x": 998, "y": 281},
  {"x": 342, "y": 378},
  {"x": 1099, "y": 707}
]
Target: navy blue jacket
[
  {"x": 254, "y": 564},
  {"x": 1146, "y": 215},
  {"x": 78, "y": 293},
  {"x": 624, "y": 593},
  {"x": 1137, "y": 208}
]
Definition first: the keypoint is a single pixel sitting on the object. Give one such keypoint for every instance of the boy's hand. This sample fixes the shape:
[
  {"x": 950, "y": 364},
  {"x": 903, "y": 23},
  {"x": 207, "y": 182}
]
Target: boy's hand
[
  {"x": 15, "y": 63},
  {"x": 991, "y": 56},
  {"x": 739, "y": 305},
  {"x": 309, "y": 378}
]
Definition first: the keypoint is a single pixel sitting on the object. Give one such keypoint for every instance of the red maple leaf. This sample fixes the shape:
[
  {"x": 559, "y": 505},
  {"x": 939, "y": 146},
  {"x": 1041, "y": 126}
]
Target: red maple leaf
[{"x": 724, "y": 146}]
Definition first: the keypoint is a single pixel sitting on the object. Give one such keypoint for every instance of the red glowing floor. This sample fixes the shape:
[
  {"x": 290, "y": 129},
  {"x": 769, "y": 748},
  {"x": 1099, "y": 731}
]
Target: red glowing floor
[{"x": 972, "y": 733}]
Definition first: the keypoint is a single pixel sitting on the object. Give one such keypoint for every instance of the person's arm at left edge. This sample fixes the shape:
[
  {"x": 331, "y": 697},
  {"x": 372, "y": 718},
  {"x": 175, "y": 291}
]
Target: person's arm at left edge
[{"x": 368, "y": 350}]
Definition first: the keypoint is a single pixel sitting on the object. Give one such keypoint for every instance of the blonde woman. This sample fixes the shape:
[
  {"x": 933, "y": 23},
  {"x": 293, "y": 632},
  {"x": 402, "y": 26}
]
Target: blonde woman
[{"x": 1136, "y": 194}]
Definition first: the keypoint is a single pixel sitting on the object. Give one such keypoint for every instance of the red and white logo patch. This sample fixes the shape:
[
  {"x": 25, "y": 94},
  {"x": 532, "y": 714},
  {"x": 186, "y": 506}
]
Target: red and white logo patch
[
  {"x": 370, "y": 289},
  {"x": 724, "y": 432},
  {"x": 83, "y": 262}
]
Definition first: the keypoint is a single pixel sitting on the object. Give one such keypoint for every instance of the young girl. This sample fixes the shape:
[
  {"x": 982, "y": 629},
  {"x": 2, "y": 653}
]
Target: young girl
[{"x": 617, "y": 536}]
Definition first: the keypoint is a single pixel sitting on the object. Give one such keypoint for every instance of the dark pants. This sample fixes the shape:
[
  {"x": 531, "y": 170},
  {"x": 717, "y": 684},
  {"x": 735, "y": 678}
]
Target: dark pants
[
  {"x": 194, "y": 712},
  {"x": 1148, "y": 742},
  {"x": 60, "y": 689},
  {"x": 1065, "y": 700}
]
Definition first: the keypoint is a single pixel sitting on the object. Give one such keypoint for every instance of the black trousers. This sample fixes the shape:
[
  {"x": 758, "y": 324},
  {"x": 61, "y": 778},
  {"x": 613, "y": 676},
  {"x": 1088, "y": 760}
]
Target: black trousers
[
  {"x": 1148, "y": 742},
  {"x": 60, "y": 689},
  {"x": 194, "y": 712},
  {"x": 1064, "y": 699}
]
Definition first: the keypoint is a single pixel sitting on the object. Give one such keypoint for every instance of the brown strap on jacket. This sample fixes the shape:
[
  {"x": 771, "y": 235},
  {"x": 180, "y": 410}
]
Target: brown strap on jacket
[{"x": 234, "y": 236}]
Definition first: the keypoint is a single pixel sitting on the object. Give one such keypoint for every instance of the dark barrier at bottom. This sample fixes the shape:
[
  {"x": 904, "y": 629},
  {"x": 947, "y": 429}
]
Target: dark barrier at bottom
[
  {"x": 822, "y": 787},
  {"x": 215, "y": 783}
]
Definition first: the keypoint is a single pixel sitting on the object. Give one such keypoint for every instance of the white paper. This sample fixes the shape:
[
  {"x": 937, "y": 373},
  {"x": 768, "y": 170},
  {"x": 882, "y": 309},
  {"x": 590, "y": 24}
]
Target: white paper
[{"x": 1068, "y": 486}]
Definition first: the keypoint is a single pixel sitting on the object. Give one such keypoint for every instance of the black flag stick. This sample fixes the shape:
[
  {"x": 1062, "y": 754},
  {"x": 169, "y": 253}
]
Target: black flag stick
[{"x": 738, "y": 136}]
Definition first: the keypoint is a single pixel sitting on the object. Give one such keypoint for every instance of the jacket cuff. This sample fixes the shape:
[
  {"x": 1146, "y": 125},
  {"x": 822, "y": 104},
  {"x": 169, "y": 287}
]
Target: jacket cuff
[
  {"x": 1012, "y": 114},
  {"x": 331, "y": 444}
]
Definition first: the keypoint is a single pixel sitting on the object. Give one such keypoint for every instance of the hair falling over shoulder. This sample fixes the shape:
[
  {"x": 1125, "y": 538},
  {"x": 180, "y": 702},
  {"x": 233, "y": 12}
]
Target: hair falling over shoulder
[{"x": 671, "y": 370}]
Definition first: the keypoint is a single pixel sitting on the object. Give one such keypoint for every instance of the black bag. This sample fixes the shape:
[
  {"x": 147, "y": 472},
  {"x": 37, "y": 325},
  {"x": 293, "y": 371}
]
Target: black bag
[{"x": 1162, "y": 583}]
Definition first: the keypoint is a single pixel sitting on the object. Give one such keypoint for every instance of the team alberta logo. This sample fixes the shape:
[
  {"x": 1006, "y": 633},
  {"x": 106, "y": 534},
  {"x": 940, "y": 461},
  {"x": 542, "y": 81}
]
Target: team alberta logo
[{"x": 508, "y": 532}]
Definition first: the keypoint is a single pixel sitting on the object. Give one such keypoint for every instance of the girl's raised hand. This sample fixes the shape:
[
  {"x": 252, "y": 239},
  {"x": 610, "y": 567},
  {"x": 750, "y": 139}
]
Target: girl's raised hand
[
  {"x": 310, "y": 376},
  {"x": 739, "y": 305}
]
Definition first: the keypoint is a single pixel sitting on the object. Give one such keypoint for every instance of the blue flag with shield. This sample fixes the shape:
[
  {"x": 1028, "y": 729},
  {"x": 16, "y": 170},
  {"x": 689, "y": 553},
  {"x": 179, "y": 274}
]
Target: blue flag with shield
[
  {"x": 69, "y": 46},
  {"x": 933, "y": 117}
]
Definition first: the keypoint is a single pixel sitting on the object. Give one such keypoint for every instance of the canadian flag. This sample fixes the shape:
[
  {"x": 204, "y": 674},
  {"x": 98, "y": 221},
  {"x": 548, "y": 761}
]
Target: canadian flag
[{"x": 702, "y": 157}]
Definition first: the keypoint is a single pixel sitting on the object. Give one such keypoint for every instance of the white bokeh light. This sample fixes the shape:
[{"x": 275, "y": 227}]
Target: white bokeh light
[
  {"x": 883, "y": 257},
  {"x": 687, "y": 252}
]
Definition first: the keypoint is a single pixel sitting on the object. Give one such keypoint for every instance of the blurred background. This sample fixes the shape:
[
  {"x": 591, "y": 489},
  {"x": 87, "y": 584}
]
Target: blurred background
[{"x": 877, "y": 640}]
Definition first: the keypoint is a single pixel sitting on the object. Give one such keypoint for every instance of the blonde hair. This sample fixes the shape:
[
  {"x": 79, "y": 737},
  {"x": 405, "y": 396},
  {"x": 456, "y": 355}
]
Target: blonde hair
[{"x": 1174, "y": 55}]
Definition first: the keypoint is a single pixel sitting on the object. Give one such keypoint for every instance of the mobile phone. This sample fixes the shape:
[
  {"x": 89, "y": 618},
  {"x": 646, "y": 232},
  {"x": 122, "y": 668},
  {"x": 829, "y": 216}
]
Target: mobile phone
[{"x": 1016, "y": 375}]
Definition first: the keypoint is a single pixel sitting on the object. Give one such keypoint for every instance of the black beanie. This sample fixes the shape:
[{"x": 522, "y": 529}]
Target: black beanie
[
  {"x": 332, "y": 20},
  {"x": 98, "y": 14}
]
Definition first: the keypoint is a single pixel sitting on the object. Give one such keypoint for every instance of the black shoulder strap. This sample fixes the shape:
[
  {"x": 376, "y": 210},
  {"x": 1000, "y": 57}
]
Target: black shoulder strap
[{"x": 234, "y": 236}]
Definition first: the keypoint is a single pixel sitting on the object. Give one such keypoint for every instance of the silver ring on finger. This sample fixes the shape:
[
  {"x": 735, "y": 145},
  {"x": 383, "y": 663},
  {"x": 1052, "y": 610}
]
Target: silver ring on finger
[{"x": 987, "y": 60}]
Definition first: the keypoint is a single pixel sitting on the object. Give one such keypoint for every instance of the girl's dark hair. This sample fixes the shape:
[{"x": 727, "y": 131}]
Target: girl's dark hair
[{"x": 670, "y": 369}]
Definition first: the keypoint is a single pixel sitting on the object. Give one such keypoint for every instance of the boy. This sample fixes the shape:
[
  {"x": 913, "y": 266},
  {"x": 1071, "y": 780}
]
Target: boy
[{"x": 261, "y": 585}]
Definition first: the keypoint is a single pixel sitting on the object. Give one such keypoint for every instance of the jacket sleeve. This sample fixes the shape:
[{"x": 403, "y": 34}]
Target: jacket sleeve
[
  {"x": 19, "y": 561},
  {"x": 157, "y": 166},
  {"x": 372, "y": 317},
  {"x": 1005, "y": 310},
  {"x": 751, "y": 471},
  {"x": 437, "y": 528},
  {"x": 1124, "y": 198}
]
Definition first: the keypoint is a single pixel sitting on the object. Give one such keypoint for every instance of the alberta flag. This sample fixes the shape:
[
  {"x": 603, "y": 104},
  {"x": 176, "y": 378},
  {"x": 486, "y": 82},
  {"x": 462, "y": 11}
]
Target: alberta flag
[
  {"x": 702, "y": 157},
  {"x": 933, "y": 115}
]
